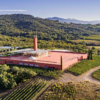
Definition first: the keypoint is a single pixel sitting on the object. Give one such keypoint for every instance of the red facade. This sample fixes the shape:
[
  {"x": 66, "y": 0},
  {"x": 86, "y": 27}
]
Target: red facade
[{"x": 46, "y": 62}]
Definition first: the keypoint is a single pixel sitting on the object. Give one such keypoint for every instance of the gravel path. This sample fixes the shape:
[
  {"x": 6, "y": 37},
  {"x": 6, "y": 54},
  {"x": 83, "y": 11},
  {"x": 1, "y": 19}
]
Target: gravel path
[{"x": 87, "y": 76}]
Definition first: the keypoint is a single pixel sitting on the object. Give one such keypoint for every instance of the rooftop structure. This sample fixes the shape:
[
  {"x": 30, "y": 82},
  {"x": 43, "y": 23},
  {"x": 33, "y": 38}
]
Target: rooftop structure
[{"x": 30, "y": 52}]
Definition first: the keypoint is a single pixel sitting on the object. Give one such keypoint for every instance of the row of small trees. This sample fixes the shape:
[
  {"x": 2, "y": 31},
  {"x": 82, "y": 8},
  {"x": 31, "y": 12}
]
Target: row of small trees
[{"x": 92, "y": 52}]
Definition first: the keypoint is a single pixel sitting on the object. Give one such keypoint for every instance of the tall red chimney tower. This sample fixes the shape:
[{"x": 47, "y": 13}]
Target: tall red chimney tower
[{"x": 35, "y": 41}]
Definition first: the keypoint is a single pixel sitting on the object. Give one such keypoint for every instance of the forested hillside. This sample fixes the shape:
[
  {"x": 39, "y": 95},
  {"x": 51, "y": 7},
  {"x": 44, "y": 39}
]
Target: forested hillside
[
  {"x": 28, "y": 42},
  {"x": 25, "y": 25}
]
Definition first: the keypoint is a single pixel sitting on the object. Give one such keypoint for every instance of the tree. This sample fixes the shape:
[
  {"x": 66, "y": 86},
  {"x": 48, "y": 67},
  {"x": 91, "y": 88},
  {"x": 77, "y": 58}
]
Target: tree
[
  {"x": 15, "y": 69},
  {"x": 90, "y": 54},
  {"x": 98, "y": 52},
  {"x": 93, "y": 47},
  {"x": 61, "y": 63}
]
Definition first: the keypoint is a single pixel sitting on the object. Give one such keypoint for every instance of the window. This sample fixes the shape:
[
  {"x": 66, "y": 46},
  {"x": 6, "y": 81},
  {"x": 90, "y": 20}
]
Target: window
[
  {"x": 36, "y": 65},
  {"x": 10, "y": 62},
  {"x": 26, "y": 64},
  {"x": 20, "y": 63},
  {"x": 31, "y": 64}
]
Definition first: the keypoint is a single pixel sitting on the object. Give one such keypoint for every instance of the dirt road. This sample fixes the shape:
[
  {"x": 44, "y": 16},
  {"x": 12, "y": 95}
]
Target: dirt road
[{"x": 87, "y": 76}]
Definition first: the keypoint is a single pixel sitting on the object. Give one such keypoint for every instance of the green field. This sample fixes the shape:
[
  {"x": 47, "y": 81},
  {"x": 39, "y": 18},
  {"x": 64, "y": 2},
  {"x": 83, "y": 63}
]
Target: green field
[
  {"x": 92, "y": 37},
  {"x": 85, "y": 65},
  {"x": 86, "y": 41},
  {"x": 28, "y": 91},
  {"x": 96, "y": 74},
  {"x": 89, "y": 40},
  {"x": 96, "y": 47}
]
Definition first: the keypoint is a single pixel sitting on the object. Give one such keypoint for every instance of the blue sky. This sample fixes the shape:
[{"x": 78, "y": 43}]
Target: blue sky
[{"x": 77, "y": 9}]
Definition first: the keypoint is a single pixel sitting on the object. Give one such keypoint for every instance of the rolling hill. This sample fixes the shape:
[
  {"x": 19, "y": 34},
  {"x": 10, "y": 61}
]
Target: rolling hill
[{"x": 25, "y": 26}]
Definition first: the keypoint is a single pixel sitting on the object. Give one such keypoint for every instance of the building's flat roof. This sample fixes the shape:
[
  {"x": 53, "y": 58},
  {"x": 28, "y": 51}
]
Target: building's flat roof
[
  {"x": 61, "y": 50},
  {"x": 32, "y": 51},
  {"x": 53, "y": 57}
]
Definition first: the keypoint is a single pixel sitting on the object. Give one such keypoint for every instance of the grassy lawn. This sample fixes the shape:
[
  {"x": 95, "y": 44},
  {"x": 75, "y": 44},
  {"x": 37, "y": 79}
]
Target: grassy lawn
[
  {"x": 85, "y": 65},
  {"x": 89, "y": 39},
  {"x": 86, "y": 41},
  {"x": 42, "y": 71},
  {"x": 72, "y": 91},
  {"x": 96, "y": 47},
  {"x": 96, "y": 74}
]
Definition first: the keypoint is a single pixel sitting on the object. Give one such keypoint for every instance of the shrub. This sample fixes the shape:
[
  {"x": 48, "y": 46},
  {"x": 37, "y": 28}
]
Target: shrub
[
  {"x": 4, "y": 67},
  {"x": 15, "y": 69},
  {"x": 70, "y": 90},
  {"x": 42, "y": 71},
  {"x": 29, "y": 73},
  {"x": 4, "y": 82},
  {"x": 26, "y": 73},
  {"x": 61, "y": 91},
  {"x": 93, "y": 47},
  {"x": 7, "y": 81},
  {"x": 12, "y": 83}
]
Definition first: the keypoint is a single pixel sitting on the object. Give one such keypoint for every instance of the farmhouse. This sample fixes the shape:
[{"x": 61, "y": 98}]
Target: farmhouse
[{"x": 43, "y": 58}]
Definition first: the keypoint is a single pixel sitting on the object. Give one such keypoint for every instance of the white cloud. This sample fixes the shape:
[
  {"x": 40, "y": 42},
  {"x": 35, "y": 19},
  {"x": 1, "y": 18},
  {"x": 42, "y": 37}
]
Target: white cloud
[{"x": 13, "y": 10}]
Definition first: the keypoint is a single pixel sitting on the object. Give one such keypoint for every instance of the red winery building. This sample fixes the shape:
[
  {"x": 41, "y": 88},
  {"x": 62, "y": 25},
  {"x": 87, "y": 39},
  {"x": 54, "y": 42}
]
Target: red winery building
[{"x": 43, "y": 58}]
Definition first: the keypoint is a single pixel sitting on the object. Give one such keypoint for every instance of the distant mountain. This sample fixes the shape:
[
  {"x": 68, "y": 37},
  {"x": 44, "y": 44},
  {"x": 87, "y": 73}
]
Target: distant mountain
[{"x": 73, "y": 20}]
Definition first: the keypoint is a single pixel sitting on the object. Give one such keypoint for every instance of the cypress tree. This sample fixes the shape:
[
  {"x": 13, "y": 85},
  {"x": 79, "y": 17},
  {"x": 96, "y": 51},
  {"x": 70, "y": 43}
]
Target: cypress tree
[
  {"x": 91, "y": 55},
  {"x": 98, "y": 52},
  {"x": 61, "y": 63},
  {"x": 88, "y": 54}
]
